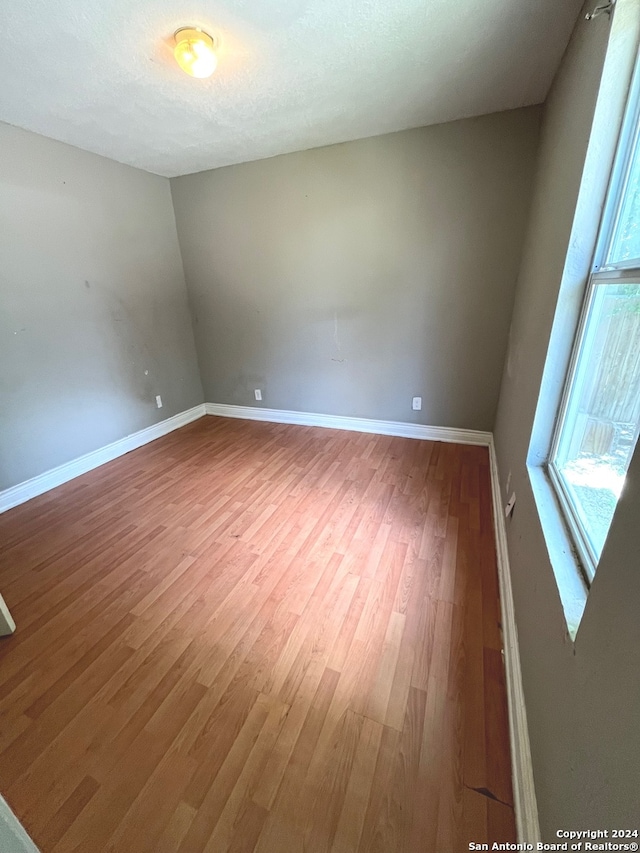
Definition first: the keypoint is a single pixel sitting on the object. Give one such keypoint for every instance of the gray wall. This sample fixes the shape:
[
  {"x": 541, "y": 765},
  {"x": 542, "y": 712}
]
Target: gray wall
[
  {"x": 94, "y": 319},
  {"x": 348, "y": 279},
  {"x": 583, "y": 699}
]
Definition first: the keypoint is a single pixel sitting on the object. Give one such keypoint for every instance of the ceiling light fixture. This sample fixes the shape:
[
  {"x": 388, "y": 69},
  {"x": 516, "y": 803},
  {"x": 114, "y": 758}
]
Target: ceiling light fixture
[{"x": 194, "y": 51}]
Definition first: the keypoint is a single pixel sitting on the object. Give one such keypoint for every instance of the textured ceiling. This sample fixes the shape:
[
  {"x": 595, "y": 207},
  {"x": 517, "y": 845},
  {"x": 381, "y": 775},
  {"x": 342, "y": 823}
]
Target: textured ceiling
[{"x": 292, "y": 74}]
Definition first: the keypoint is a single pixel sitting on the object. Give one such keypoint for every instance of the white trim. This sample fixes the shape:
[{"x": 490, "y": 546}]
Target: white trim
[
  {"x": 560, "y": 549},
  {"x": 7, "y": 625},
  {"x": 524, "y": 792},
  {"x": 50, "y": 479},
  {"x": 13, "y": 835},
  {"x": 397, "y": 428},
  {"x": 63, "y": 473}
]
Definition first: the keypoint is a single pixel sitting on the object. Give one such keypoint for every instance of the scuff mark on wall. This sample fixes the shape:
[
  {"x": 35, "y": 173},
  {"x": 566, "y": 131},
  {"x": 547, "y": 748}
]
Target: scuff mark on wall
[
  {"x": 336, "y": 340},
  {"x": 134, "y": 343}
]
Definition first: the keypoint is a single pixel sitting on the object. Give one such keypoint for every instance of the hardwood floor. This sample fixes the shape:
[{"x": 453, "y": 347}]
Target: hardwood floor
[{"x": 258, "y": 637}]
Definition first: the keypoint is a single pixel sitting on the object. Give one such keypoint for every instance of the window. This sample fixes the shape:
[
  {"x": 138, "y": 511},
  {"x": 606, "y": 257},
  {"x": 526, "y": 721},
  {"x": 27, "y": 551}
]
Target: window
[{"x": 599, "y": 417}]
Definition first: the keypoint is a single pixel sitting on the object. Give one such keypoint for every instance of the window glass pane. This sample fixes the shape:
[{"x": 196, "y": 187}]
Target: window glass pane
[
  {"x": 625, "y": 243},
  {"x": 602, "y": 417}
]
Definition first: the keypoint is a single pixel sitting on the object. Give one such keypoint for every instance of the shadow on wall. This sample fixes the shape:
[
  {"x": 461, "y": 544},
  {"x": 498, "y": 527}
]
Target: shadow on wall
[{"x": 349, "y": 279}]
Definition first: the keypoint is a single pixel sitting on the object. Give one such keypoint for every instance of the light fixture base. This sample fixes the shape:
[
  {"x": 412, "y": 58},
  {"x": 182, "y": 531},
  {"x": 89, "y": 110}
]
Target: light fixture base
[
  {"x": 195, "y": 51},
  {"x": 194, "y": 34}
]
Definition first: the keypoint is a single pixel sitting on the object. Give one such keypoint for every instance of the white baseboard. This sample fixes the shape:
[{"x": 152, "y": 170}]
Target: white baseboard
[
  {"x": 524, "y": 792},
  {"x": 63, "y": 473},
  {"x": 57, "y": 476},
  {"x": 7, "y": 625},
  {"x": 397, "y": 428},
  {"x": 13, "y": 836},
  {"x": 525, "y": 804}
]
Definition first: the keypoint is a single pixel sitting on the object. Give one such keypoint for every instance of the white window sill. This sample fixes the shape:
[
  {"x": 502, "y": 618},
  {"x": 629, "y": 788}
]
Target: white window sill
[{"x": 571, "y": 585}]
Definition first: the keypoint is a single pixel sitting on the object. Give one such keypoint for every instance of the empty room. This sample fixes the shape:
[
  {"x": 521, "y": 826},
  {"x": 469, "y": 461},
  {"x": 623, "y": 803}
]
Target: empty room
[{"x": 319, "y": 404}]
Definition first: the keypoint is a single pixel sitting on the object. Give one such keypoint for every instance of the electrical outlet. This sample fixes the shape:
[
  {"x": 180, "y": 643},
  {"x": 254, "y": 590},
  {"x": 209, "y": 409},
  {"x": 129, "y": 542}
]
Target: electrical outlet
[
  {"x": 416, "y": 404},
  {"x": 159, "y": 401},
  {"x": 510, "y": 505},
  {"x": 258, "y": 394}
]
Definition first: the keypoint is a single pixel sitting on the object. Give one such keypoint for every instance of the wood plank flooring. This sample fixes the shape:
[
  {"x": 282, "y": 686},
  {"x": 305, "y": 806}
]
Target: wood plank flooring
[{"x": 258, "y": 637}]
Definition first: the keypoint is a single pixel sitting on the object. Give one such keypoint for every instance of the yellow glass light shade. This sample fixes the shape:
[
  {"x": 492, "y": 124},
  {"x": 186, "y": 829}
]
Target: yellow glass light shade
[{"x": 194, "y": 52}]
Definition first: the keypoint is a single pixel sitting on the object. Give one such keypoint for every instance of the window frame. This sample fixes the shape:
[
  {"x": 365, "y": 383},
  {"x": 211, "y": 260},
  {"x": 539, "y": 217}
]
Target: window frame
[{"x": 601, "y": 273}]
